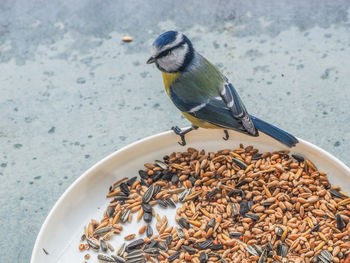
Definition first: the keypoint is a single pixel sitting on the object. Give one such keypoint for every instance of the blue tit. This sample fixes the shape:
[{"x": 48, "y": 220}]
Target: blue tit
[{"x": 202, "y": 93}]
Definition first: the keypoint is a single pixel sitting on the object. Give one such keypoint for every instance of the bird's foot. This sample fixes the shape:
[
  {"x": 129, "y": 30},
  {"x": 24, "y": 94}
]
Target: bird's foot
[
  {"x": 226, "y": 135},
  {"x": 179, "y": 132},
  {"x": 182, "y": 134}
]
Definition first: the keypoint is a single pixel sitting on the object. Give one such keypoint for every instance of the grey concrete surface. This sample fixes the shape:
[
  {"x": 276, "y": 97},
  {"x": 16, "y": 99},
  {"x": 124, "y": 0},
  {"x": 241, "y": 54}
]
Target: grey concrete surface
[{"x": 71, "y": 92}]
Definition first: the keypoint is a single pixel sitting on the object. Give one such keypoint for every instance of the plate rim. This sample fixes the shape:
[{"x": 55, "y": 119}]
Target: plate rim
[{"x": 43, "y": 227}]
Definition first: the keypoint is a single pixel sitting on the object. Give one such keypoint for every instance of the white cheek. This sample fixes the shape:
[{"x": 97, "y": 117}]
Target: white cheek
[{"x": 174, "y": 60}]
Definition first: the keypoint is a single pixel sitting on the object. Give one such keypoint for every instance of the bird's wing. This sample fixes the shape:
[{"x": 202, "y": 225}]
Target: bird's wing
[
  {"x": 212, "y": 110},
  {"x": 234, "y": 103},
  {"x": 205, "y": 93}
]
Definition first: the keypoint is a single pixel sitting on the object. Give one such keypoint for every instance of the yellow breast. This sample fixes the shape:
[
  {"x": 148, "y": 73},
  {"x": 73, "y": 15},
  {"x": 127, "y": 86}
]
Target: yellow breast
[{"x": 169, "y": 79}]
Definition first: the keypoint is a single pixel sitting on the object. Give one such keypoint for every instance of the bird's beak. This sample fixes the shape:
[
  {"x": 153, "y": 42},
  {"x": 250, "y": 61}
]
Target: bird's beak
[{"x": 151, "y": 60}]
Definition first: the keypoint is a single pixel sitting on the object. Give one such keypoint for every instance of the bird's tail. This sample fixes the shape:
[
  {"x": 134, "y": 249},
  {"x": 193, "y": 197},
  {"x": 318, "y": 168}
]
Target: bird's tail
[{"x": 276, "y": 133}]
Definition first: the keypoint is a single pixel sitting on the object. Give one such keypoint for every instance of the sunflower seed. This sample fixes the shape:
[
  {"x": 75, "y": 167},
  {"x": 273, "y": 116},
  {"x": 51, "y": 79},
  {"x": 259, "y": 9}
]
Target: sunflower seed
[
  {"x": 168, "y": 240},
  {"x": 258, "y": 249},
  {"x": 149, "y": 231},
  {"x": 211, "y": 223},
  {"x": 184, "y": 194},
  {"x": 235, "y": 234},
  {"x": 110, "y": 211},
  {"x": 136, "y": 260},
  {"x": 93, "y": 243},
  {"x": 169, "y": 202},
  {"x": 148, "y": 194},
  {"x": 152, "y": 244},
  {"x": 192, "y": 179},
  {"x": 167, "y": 176},
  {"x": 212, "y": 193},
  {"x": 241, "y": 164},
  {"x": 180, "y": 233},
  {"x": 151, "y": 251},
  {"x": 217, "y": 247},
  {"x": 263, "y": 257},
  {"x": 125, "y": 189},
  {"x": 162, "y": 203},
  {"x": 174, "y": 256},
  {"x": 105, "y": 258},
  {"x": 340, "y": 222},
  {"x": 135, "y": 254},
  {"x": 242, "y": 182},
  {"x": 146, "y": 207},
  {"x": 174, "y": 179},
  {"x": 252, "y": 250},
  {"x": 184, "y": 223},
  {"x": 102, "y": 230},
  {"x": 269, "y": 246},
  {"x": 118, "y": 259},
  {"x": 282, "y": 250},
  {"x": 243, "y": 208},
  {"x": 235, "y": 192},
  {"x": 205, "y": 244},
  {"x": 336, "y": 193},
  {"x": 157, "y": 189},
  {"x": 134, "y": 245},
  {"x": 189, "y": 249},
  {"x": 121, "y": 250},
  {"x": 315, "y": 228},
  {"x": 143, "y": 174},
  {"x": 147, "y": 217},
  {"x": 163, "y": 246},
  {"x": 235, "y": 209},
  {"x": 279, "y": 231},
  {"x": 131, "y": 181},
  {"x": 321, "y": 259},
  {"x": 298, "y": 157},
  {"x": 121, "y": 197},
  {"x": 203, "y": 257},
  {"x": 144, "y": 182},
  {"x": 250, "y": 204},
  {"x": 161, "y": 164},
  {"x": 328, "y": 256},
  {"x": 157, "y": 176},
  {"x": 252, "y": 216},
  {"x": 257, "y": 157},
  {"x": 103, "y": 245},
  {"x": 267, "y": 204},
  {"x": 125, "y": 216}
]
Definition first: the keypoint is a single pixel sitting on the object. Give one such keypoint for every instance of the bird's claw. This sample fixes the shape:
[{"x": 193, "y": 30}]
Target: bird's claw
[
  {"x": 227, "y": 136},
  {"x": 183, "y": 141},
  {"x": 179, "y": 132}
]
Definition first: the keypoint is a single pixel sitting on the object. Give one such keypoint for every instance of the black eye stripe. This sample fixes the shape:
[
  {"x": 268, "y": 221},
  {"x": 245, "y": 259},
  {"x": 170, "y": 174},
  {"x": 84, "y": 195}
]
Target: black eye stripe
[
  {"x": 164, "y": 53},
  {"x": 167, "y": 51}
]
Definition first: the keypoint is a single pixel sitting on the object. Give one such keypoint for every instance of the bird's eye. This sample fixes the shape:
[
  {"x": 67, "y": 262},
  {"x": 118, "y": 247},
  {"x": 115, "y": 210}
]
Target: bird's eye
[{"x": 164, "y": 53}]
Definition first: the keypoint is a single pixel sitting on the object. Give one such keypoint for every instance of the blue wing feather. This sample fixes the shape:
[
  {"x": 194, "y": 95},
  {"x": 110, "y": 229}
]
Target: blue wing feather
[{"x": 215, "y": 111}]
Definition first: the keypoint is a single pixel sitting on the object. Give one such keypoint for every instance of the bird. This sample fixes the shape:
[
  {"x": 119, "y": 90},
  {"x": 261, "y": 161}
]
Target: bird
[{"x": 202, "y": 93}]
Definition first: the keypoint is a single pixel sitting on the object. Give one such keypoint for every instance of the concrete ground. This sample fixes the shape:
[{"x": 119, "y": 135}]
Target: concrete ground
[{"x": 71, "y": 92}]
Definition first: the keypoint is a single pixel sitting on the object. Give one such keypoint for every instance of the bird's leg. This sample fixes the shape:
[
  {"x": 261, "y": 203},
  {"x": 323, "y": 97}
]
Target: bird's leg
[
  {"x": 226, "y": 135},
  {"x": 182, "y": 134}
]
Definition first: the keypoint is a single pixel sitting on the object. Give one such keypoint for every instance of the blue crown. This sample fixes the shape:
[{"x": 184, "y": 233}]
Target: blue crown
[{"x": 165, "y": 39}]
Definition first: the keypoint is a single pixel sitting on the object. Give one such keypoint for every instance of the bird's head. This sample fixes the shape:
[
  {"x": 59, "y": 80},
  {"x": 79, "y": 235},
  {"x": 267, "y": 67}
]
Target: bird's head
[{"x": 172, "y": 52}]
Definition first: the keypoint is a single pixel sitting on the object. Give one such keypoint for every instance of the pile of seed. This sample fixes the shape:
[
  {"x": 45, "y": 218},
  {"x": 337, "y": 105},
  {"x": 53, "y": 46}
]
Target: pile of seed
[{"x": 233, "y": 206}]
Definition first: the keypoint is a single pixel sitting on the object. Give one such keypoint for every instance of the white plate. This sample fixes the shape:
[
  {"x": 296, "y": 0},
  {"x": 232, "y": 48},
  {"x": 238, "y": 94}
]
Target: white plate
[{"x": 85, "y": 198}]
